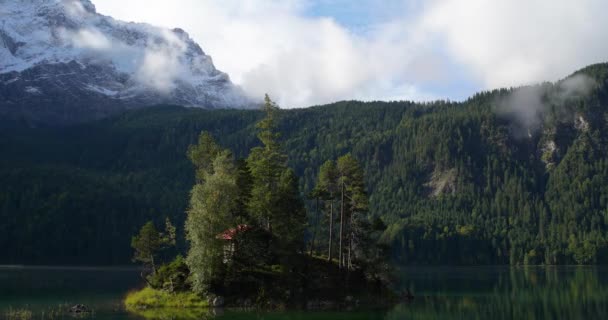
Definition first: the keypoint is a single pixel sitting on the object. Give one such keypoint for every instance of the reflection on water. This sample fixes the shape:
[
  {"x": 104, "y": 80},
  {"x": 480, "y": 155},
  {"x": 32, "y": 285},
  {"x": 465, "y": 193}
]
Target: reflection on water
[
  {"x": 440, "y": 293},
  {"x": 48, "y": 290},
  {"x": 506, "y": 293}
]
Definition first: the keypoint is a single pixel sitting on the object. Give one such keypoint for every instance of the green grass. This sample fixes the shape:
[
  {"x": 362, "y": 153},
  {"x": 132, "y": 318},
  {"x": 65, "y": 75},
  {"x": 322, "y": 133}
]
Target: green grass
[
  {"x": 18, "y": 314},
  {"x": 173, "y": 314},
  {"x": 149, "y": 298}
]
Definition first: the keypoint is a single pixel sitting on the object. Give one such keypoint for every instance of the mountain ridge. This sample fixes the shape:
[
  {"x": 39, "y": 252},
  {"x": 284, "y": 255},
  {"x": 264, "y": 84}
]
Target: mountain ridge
[{"x": 62, "y": 62}]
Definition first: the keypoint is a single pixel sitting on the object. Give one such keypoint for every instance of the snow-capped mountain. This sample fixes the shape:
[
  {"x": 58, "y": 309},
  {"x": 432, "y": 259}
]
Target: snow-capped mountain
[{"x": 62, "y": 62}]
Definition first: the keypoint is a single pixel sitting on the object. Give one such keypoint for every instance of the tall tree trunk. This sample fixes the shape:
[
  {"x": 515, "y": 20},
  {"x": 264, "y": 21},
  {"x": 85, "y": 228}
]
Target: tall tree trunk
[
  {"x": 153, "y": 265},
  {"x": 340, "y": 253},
  {"x": 350, "y": 241},
  {"x": 331, "y": 230},
  {"x": 314, "y": 233}
]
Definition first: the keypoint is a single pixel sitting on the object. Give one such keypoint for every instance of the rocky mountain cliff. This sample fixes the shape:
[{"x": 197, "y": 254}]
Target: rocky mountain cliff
[{"x": 62, "y": 62}]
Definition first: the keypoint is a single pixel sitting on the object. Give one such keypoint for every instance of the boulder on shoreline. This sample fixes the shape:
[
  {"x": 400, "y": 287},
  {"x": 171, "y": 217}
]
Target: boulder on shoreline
[
  {"x": 216, "y": 302},
  {"x": 79, "y": 308}
]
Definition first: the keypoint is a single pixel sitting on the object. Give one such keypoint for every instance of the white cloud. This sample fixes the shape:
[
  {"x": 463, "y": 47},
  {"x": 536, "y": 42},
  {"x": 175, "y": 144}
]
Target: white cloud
[
  {"x": 161, "y": 65},
  {"x": 514, "y": 42},
  {"x": 272, "y": 47},
  {"x": 275, "y": 47},
  {"x": 156, "y": 65},
  {"x": 74, "y": 7},
  {"x": 91, "y": 39}
]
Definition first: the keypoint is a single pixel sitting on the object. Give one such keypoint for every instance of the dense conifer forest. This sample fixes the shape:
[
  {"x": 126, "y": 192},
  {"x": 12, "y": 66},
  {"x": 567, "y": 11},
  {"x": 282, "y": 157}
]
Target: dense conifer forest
[{"x": 471, "y": 182}]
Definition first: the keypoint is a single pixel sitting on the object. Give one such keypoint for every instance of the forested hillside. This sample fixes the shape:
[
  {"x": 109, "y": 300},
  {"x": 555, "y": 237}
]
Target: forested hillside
[{"x": 485, "y": 181}]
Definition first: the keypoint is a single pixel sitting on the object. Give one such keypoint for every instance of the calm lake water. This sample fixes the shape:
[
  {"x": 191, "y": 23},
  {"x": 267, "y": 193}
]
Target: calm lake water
[{"x": 440, "y": 293}]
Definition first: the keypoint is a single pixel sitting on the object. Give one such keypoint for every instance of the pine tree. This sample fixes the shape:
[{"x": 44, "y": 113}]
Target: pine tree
[
  {"x": 266, "y": 164},
  {"x": 327, "y": 189},
  {"x": 353, "y": 200},
  {"x": 146, "y": 245},
  {"x": 275, "y": 200},
  {"x": 149, "y": 242},
  {"x": 290, "y": 219}
]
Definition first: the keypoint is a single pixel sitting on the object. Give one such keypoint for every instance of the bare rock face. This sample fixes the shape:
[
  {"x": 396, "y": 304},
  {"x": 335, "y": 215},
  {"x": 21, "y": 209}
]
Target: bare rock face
[
  {"x": 61, "y": 62},
  {"x": 580, "y": 123},
  {"x": 442, "y": 182},
  {"x": 549, "y": 152}
]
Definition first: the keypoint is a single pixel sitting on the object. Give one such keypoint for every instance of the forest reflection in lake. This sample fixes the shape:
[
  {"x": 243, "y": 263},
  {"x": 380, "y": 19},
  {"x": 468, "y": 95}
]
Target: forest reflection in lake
[
  {"x": 569, "y": 292},
  {"x": 440, "y": 293}
]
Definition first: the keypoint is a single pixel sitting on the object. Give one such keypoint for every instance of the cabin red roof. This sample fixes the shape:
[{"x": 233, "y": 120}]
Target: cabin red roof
[{"x": 231, "y": 233}]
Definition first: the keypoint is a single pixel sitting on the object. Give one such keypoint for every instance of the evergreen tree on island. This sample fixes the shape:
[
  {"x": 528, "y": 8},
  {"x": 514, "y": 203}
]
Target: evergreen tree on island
[{"x": 265, "y": 187}]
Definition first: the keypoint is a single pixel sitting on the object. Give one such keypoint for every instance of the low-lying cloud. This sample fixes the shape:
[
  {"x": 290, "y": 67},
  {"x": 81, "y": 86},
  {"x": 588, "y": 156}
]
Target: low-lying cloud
[
  {"x": 527, "y": 105},
  {"x": 91, "y": 38},
  {"x": 578, "y": 85},
  {"x": 159, "y": 64},
  {"x": 162, "y": 66}
]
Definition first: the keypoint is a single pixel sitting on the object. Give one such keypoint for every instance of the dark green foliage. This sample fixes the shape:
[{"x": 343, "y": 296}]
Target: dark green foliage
[
  {"x": 172, "y": 277},
  {"x": 255, "y": 249},
  {"x": 454, "y": 182},
  {"x": 274, "y": 200},
  {"x": 146, "y": 244},
  {"x": 149, "y": 242},
  {"x": 203, "y": 154},
  {"x": 213, "y": 201}
]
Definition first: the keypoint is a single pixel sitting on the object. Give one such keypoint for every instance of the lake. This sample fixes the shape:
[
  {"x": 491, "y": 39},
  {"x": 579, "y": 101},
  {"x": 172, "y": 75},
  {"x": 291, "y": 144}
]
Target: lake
[{"x": 440, "y": 293}]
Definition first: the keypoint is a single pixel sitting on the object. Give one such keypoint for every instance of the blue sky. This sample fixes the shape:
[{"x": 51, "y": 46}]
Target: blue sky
[
  {"x": 306, "y": 52},
  {"x": 358, "y": 15},
  {"x": 361, "y": 16}
]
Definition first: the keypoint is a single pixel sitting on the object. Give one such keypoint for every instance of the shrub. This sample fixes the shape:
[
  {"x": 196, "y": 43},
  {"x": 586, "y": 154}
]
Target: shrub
[{"x": 172, "y": 277}]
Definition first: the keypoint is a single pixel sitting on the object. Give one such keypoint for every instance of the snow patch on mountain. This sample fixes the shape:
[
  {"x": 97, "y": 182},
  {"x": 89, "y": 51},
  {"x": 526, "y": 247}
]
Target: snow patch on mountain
[
  {"x": 32, "y": 90},
  {"x": 104, "y": 91}
]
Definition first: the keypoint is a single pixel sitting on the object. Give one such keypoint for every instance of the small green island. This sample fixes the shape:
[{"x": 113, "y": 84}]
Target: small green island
[{"x": 249, "y": 243}]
